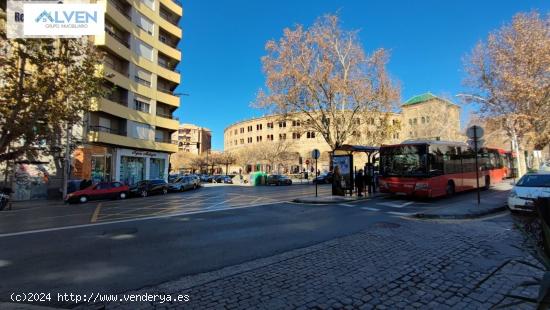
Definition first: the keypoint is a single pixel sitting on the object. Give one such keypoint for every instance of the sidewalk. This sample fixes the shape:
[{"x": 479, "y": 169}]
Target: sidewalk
[
  {"x": 491, "y": 203},
  {"x": 38, "y": 203},
  {"x": 403, "y": 265},
  {"x": 334, "y": 199}
]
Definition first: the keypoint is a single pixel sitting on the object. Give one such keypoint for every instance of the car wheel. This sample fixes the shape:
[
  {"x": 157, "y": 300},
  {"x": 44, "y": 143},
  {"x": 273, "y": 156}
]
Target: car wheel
[
  {"x": 122, "y": 195},
  {"x": 144, "y": 193},
  {"x": 450, "y": 189},
  {"x": 164, "y": 191},
  {"x": 83, "y": 199}
]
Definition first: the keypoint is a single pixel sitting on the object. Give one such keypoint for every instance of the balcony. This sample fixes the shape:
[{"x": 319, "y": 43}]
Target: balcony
[
  {"x": 168, "y": 16},
  {"x": 121, "y": 6},
  {"x": 168, "y": 39},
  {"x": 119, "y": 35},
  {"x": 107, "y": 137},
  {"x": 142, "y": 81},
  {"x": 107, "y": 130}
]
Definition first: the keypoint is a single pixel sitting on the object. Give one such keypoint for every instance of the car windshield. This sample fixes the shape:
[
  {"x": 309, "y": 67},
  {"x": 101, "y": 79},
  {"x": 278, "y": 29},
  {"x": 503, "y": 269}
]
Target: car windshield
[
  {"x": 534, "y": 180},
  {"x": 403, "y": 160}
]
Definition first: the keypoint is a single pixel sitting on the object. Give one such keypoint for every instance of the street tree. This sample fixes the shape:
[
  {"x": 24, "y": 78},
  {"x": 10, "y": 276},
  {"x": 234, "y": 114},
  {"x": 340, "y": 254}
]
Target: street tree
[
  {"x": 508, "y": 75},
  {"x": 46, "y": 85},
  {"x": 226, "y": 159},
  {"x": 324, "y": 73}
]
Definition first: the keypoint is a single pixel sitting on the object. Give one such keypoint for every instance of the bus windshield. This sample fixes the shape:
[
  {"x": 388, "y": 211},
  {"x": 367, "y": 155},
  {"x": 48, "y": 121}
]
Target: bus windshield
[{"x": 403, "y": 160}]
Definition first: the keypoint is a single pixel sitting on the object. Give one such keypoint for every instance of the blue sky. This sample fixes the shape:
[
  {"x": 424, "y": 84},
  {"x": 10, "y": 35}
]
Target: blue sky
[{"x": 224, "y": 40}]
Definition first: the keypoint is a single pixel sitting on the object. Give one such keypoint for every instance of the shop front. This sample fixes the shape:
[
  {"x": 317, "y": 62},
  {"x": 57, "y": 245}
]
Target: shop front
[{"x": 136, "y": 165}]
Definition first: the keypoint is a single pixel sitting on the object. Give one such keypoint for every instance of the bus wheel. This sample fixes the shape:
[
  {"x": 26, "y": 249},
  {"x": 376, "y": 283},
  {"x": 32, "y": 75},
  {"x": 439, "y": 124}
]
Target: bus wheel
[
  {"x": 487, "y": 183},
  {"x": 450, "y": 188}
]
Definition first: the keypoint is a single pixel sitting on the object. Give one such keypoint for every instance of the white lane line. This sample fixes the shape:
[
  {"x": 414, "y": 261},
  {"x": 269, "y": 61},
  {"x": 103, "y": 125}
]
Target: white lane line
[
  {"x": 395, "y": 205},
  {"x": 399, "y": 213},
  {"x": 28, "y": 232},
  {"x": 346, "y": 205},
  {"x": 370, "y": 209}
]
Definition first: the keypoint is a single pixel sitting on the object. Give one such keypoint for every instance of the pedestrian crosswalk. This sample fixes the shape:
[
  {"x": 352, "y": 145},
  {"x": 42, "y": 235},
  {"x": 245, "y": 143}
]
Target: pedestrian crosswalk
[{"x": 384, "y": 207}]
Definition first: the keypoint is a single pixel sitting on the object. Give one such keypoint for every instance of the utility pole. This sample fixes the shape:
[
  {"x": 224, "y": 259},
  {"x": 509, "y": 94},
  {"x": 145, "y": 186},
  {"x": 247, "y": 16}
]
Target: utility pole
[{"x": 67, "y": 165}]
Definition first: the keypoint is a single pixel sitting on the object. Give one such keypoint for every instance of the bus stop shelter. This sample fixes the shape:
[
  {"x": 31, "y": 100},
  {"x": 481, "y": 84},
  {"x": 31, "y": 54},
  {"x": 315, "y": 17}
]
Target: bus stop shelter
[{"x": 370, "y": 151}]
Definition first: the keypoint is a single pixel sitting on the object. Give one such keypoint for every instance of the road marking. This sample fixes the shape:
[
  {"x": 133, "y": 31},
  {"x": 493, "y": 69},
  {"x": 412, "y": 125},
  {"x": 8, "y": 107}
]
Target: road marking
[
  {"x": 395, "y": 205},
  {"x": 399, "y": 213},
  {"x": 28, "y": 232},
  {"x": 370, "y": 209},
  {"x": 346, "y": 205},
  {"x": 96, "y": 213}
]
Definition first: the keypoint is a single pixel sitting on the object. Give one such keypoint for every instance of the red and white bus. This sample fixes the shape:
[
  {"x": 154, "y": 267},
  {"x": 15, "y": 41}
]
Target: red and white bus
[{"x": 436, "y": 168}]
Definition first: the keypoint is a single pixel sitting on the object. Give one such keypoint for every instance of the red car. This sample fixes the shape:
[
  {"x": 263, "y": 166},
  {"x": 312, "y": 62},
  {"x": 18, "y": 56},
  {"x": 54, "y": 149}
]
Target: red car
[{"x": 103, "y": 190}]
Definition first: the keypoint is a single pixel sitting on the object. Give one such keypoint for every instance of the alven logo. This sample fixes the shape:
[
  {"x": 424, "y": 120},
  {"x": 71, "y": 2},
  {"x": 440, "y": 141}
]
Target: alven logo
[
  {"x": 74, "y": 19},
  {"x": 61, "y": 17},
  {"x": 43, "y": 16}
]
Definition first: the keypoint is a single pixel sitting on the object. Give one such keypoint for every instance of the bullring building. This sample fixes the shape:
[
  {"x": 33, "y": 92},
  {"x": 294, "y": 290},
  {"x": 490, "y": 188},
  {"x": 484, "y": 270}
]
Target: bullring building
[{"x": 425, "y": 116}]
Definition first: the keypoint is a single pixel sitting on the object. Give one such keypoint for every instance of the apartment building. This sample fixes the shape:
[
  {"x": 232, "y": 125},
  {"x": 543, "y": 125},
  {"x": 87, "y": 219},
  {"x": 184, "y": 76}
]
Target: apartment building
[
  {"x": 193, "y": 139},
  {"x": 127, "y": 135}
]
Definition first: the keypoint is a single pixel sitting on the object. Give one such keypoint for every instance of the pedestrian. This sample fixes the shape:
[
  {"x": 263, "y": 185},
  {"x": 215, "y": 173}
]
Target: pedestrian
[
  {"x": 359, "y": 182},
  {"x": 83, "y": 184},
  {"x": 337, "y": 189}
]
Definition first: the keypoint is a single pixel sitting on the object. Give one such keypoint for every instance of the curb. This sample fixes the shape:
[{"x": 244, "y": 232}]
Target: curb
[
  {"x": 473, "y": 215},
  {"x": 307, "y": 201}
]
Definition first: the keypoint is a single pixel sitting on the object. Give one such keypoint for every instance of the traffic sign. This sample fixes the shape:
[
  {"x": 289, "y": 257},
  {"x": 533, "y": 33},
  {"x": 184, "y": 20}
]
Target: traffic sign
[
  {"x": 475, "y": 132},
  {"x": 315, "y": 154},
  {"x": 307, "y": 161}
]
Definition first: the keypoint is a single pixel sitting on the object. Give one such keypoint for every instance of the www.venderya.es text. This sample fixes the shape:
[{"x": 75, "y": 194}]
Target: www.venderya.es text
[{"x": 97, "y": 297}]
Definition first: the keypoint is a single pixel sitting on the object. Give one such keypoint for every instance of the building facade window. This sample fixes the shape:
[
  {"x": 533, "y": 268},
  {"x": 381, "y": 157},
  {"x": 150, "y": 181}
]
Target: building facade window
[
  {"x": 143, "y": 77},
  {"x": 249, "y": 139},
  {"x": 296, "y": 135},
  {"x": 242, "y": 141},
  {"x": 282, "y": 124},
  {"x": 258, "y": 126},
  {"x": 270, "y": 137},
  {"x": 270, "y": 125},
  {"x": 259, "y": 139},
  {"x": 242, "y": 130},
  {"x": 296, "y": 123},
  {"x": 249, "y": 128},
  {"x": 141, "y": 104},
  {"x": 144, "y": 23},
  {"x": 310, "y": 135},
  {"x": 144, "y": 50},
  {"x": 282, "y": 136}
]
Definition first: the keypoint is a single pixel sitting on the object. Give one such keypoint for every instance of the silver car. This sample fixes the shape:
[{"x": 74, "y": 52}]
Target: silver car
[{"x": 183, "y": 183}]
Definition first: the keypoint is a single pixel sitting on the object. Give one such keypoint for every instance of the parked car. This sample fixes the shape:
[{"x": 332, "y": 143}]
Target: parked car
[
  {"x": 323, "y": 178},
  {"x": 196, "y": 179},
  {"x": 530, "y": 187},
  {"x": 277, "y": 179},
  {"x": 223, "y": 179},
  {"x": 182, "y": 184},
  {"x": 102, "y": 190},
  {"x": 147, "y": 187}
]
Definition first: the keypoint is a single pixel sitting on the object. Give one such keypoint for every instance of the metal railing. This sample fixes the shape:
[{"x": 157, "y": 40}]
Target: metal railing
[
  {"x": 169, "y": 116},
  {"x": 165, "y": 65},
  {"x": 142, "y": 81},
  {"x": 164, "y": 90},
  {"x": 172, "y": 19},
  {"x": 119, "y": 8},
  {"x": 117, "y": 37},
  {"x": 107, "y": 130}
]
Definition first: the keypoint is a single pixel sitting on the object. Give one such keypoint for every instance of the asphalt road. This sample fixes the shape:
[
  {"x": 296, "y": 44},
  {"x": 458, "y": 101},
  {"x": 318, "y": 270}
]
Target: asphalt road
[{"x": 149, "y": 249}]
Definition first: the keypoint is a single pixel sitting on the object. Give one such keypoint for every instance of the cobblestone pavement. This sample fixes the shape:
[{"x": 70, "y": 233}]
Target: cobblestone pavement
[{"x": 392, "y": 265}]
